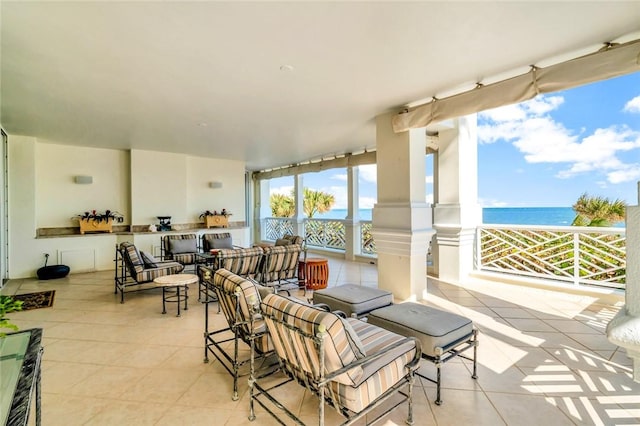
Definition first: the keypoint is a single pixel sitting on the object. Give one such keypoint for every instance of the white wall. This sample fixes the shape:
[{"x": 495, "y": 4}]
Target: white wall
[
  {"x": 139, "y": 184},
  {"x": 158, "y": 187},
  {"x": 201, "y": 197},
  {"x": 62, "y": 198}
]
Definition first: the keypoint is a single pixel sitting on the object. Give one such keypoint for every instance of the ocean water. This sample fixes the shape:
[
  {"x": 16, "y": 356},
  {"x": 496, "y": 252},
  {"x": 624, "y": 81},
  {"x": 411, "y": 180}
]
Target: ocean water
[{"x": 549, "y": 216}]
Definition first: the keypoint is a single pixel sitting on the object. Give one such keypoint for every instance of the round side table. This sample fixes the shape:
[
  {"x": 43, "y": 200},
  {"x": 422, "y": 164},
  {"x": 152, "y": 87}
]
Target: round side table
[
  {"x": 314, "y": 273},
  {"x": 179, "y": 283}
]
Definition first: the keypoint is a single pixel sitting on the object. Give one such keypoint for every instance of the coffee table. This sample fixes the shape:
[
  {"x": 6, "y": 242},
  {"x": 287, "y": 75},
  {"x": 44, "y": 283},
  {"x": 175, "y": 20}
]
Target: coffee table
[{"x": 179, "y": 283}]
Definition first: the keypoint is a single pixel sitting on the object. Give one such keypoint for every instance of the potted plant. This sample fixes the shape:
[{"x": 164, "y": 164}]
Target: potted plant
[
  {"x": 8, "y": 305},
  {"x": 215, "y": 219},
  {"x": 94, "y": 221}
]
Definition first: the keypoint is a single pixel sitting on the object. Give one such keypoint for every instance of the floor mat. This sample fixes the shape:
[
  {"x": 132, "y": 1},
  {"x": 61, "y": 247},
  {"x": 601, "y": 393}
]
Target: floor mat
[{"x": 41, "y": 299}]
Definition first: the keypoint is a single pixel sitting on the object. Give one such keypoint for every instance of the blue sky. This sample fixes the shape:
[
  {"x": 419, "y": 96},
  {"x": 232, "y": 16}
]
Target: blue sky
[{"x": 542, "y": 153}]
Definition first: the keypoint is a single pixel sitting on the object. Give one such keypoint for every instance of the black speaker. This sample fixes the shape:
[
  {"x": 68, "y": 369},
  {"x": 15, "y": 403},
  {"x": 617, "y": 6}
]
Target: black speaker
[{"x": 53, "y": 272}]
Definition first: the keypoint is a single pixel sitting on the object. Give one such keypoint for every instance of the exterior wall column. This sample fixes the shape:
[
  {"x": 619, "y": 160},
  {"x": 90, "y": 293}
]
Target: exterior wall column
[
  {"x": 262, "y": 209},
  {"x": 298, "y": 193},
  {"x": 456, "y": 213},
  {"x": 352, "y": 223},
  {"x": 401, "y": 217},
  {"x": 624, "y": 329}
]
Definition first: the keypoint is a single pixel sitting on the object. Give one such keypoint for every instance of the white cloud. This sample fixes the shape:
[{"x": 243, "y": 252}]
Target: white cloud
[
  {"x": 543, "y": 104},
  {"x": 368, "y": 173},
  {"x": 284, "y": 190},
  {"x": 428, "y": 179},
  {"x": 633, "y": 105},
  {"x": 543, "y": 140},
  {"x": 367, "y": 202},
  {"x": 506, "y": 122},
  {"x": 630, "y": 173},
  {"x": 505, "y": 113},
  {"x": 491, "y": 203},
  {"x": 341, "y": 177}
]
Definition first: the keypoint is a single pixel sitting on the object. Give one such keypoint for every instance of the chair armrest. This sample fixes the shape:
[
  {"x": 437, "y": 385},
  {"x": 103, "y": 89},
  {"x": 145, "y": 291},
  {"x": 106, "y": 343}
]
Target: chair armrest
[
  {"x": 413, "y": 364},
  {"x": 163, "y": 262}
]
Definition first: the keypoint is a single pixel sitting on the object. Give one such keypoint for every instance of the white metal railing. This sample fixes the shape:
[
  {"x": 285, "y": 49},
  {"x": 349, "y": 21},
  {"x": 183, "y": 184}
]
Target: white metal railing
[
  {"x": 325, "y": 233},
  {"x": 277, "y": 227},
  {"x": 320, "y": 233},
  {"x": 580, "y": 255},
  {"x": 367, "y": 243}
]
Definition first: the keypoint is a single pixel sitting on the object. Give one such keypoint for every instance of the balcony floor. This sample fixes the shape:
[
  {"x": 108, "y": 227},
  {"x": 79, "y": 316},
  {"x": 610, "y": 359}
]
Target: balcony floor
[{"x": 543, "y": 359}]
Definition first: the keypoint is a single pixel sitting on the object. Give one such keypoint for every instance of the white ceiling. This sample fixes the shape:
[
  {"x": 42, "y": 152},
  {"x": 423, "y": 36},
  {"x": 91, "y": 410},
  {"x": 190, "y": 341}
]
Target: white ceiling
[{"x": 205, "y": 78}]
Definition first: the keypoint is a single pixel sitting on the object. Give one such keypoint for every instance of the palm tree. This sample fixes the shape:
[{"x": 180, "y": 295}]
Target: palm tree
[
  {"x": 317, "y": 202},
  {"x": 282, "y": 205},
  {"x": 598, "y": 211},
  {"x": 314, "y": 202}
]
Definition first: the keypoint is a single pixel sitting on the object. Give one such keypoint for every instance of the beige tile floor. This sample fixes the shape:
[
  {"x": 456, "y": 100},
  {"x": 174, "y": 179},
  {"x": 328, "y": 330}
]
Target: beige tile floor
[{"x": 543, "y": 359}]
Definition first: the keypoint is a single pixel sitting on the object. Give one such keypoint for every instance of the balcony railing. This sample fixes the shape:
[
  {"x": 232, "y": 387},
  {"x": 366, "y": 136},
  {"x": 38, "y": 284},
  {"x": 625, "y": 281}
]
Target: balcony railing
[
  {"x": 579, "y": 255},
  {"x": 321, "y": 233}
]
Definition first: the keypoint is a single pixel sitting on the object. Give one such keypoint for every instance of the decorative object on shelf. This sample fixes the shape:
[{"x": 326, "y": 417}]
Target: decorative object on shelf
[
  {"x": 94, "y": 221},
  {"x": 152, "y": 228},
  {"x": 215, "y": 219},
  {"x": 165, "y": 223}
]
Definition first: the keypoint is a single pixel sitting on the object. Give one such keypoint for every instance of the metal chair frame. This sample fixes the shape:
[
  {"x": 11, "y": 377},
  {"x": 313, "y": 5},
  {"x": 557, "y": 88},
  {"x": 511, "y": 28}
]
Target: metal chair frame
[
  {"x": 318, "y": 383},
  {"x": 241, "y": 329}
]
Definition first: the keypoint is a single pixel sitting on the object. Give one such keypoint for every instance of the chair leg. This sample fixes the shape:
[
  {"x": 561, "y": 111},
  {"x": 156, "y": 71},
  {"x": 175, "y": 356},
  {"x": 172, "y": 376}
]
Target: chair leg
[
  {"x": 321, "y": 406},
  {"x": 475, "y": 355},
  {"x": 438, "y": 381},
  {"x": 236, "y": 366},
  {"x": 412, "y": 379},
  {"x": 252, "y": 380}
]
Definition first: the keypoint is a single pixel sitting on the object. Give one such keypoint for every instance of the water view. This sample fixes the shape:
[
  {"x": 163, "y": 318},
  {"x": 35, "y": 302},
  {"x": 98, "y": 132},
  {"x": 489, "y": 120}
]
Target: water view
[{"x": 546, "y": 216}]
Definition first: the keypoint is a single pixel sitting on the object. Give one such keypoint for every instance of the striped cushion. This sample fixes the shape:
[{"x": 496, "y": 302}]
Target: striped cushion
[
  {"x": 229, "y": 282},
  {"x": 184, "y": 258},
  {"x": 360, "y": 386},
  {"x": 292, "y": 239},
  {"x": 164, "y": 268},
  {"x": 338, "y": 351},
  {"x": 207, "y": 238},
  {"x": 379, "y": 375},
  {"x": 134, "y": 258},
  {"x": 280, "y": 263},
  {"x": 242, "y": 262}
]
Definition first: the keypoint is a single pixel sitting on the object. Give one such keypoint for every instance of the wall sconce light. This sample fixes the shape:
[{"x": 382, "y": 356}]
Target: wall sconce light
[
  {"x": 83, "y": 180},
  {"x": 215, "y": 185}
]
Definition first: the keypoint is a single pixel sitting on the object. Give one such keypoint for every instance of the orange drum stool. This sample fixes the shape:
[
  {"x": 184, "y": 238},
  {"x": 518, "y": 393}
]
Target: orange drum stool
[{"x": 314, "y": 273}]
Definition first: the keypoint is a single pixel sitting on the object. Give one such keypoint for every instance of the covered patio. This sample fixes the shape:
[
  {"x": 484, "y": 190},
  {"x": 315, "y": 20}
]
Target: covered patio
[{"x": 543, "y": 358}]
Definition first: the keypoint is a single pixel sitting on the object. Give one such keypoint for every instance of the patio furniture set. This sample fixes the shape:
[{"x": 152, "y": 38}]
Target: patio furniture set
[
  {"x": 273, "y": 265},
  {"x": 353, "y": 348}
]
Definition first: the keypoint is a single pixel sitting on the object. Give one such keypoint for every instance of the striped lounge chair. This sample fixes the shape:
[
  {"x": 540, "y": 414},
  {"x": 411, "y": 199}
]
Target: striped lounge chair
[
  {"x": 235, "y": 295},
  {"x": 181, "y": 248},
  {"x": 131, "y": 270},
  {"x": 349, "y": 364},
  {"x": 240, "y": 261},
  {"x": 279, "y": 269}
]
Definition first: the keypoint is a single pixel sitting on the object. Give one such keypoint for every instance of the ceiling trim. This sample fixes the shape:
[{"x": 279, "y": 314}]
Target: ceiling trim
[{"x": 349, "y": 160}]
